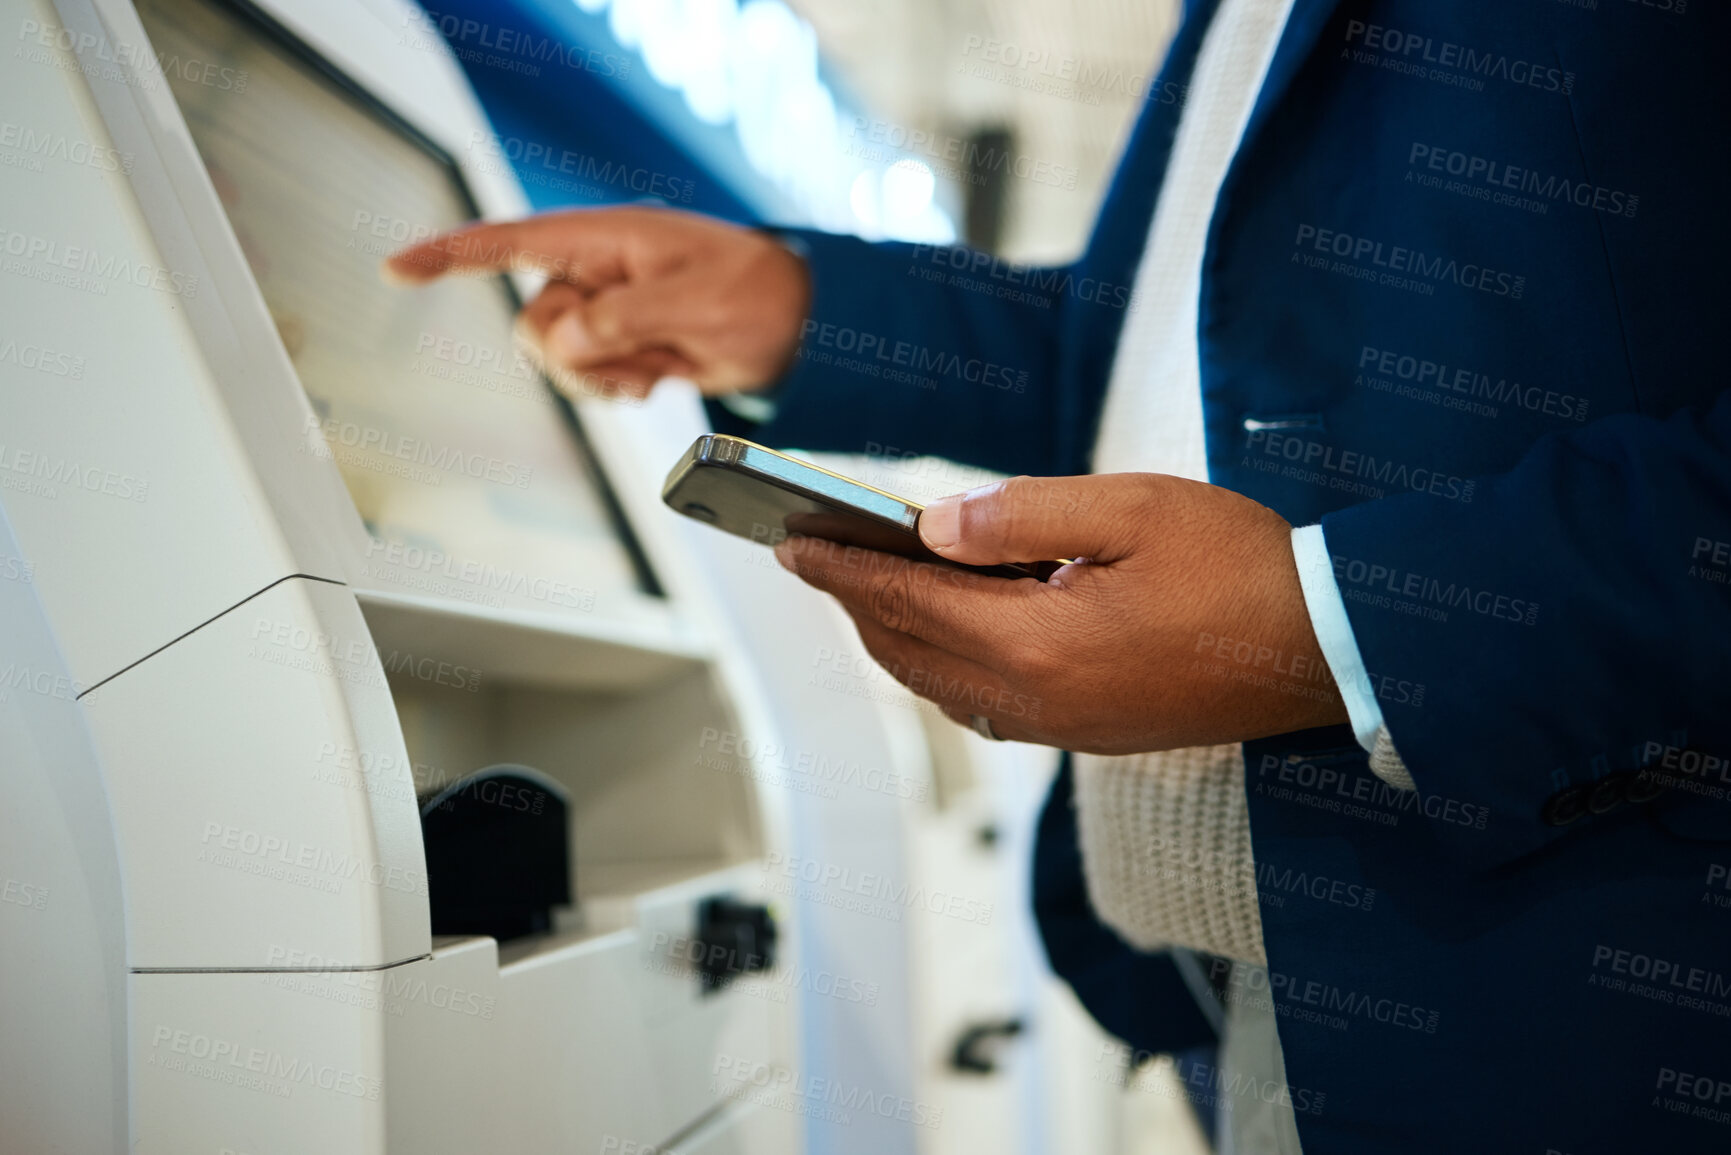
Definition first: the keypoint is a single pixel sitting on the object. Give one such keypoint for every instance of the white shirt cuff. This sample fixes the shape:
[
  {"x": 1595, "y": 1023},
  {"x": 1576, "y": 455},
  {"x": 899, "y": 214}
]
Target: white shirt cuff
[
  {"x": 1334, "y": 633},
  {"x": 752, "y": 407}
]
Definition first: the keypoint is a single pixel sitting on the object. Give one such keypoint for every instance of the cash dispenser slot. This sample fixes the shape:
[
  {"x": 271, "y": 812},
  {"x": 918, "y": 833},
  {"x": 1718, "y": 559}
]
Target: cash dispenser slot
[{"x": 498, "y": 853}]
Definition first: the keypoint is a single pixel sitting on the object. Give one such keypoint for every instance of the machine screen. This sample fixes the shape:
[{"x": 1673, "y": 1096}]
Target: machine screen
[{"x": 470, "y": 474}]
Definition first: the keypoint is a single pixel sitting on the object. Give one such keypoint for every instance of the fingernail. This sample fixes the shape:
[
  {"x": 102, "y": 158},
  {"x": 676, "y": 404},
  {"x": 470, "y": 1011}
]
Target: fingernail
[
  {"x": 567, "y": 340},
  {"x": 784, "y": 553},
  {"x": 941, "y": 523}
]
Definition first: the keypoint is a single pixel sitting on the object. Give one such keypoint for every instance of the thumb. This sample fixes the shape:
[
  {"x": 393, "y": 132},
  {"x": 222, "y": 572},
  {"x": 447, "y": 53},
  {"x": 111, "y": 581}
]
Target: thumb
[
  {"x": 621, "y": 321},
  {"x": 1028, "y": 519}
]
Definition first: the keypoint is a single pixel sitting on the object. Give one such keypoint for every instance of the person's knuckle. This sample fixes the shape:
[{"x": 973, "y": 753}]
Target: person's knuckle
[
  {"x": 604, "y": 323},
  {"x": 891, "y": 602}
]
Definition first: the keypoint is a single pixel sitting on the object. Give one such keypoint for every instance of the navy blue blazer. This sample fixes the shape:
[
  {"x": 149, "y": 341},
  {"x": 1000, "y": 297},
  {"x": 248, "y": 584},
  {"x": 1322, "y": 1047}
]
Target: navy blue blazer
[{"x": 1463, "y": 302}]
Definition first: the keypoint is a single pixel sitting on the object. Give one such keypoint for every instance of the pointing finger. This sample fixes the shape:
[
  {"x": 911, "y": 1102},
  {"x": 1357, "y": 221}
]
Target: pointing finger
[{"x": 575, "y": 246}]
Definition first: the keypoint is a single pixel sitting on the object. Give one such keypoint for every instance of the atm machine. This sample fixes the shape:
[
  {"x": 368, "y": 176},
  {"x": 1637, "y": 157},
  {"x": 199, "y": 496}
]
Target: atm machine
[{"x": 312, "y": 594}]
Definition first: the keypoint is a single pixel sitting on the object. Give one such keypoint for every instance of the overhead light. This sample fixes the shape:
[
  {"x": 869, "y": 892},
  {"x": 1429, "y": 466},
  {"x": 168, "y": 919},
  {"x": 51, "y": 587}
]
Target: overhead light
[
  {"x": 756, "y": 64},
  {"x": 625, "y": 21},
  {"x": 862, "y": 198},
  {"x": 908, "y": 186}
]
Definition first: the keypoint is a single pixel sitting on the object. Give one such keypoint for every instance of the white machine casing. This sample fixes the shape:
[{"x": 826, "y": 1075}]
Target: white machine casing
[{"x": 211, "y": 775}]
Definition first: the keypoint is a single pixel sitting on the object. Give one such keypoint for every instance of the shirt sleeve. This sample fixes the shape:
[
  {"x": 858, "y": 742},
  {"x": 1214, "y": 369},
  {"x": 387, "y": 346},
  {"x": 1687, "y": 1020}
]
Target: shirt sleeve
[{"x": 1333, "y": 629}]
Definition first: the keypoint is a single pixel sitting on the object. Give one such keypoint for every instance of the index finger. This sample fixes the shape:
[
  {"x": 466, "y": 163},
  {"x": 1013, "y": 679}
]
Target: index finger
[
  {"x": 973, "y": 615},
  {"x": 561, "y": 246}
]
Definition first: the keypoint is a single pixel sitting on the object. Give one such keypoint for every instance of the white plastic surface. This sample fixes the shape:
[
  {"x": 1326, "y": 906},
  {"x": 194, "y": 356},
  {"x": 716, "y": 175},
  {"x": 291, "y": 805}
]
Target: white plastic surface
[
  {"x": 62, "y": 941},
  {"x": 124, "y": 478},
  {"x": 249, "y": 836},
  {"x": 594, "y": 1041},
  {"x": 253, "y": 1063}
]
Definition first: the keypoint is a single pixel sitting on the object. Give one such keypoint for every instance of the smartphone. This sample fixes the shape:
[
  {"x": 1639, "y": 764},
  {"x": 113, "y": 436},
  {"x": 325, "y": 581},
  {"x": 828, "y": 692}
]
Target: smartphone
[{"x": 756, "y": 493}]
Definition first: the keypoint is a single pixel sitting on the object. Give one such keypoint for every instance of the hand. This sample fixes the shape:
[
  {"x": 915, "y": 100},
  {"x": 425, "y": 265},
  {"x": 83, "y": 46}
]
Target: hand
[
  {"x": 1185, "y": 625},
  {"x": 637, "y": 294}
]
